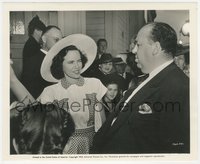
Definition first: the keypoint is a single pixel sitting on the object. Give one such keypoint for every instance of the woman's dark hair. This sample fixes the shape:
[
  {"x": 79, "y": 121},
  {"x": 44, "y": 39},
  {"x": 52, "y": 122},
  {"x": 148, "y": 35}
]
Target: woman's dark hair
[
  {"x": 42, "y": 129},
  {"x": 35, "y": 23},
  {"x": 119, "y": 93},
  {"x": 57, "y": 62}
]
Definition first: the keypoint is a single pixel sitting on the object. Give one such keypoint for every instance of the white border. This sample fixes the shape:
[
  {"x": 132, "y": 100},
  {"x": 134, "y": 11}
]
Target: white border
[{"x": 121, "y": 6}]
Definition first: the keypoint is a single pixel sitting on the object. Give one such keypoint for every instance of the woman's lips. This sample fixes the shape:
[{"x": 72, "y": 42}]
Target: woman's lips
[{"x": 76, "y": 71}]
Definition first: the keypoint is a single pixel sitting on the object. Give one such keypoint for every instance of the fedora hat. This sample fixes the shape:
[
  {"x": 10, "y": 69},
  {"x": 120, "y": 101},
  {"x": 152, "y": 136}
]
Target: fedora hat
[
  {"x": 123, "y": 57},
  {"x": 105, "y": 58},
  {"x": 118, "y": 61},
  {"x": 83, "y": 42}
]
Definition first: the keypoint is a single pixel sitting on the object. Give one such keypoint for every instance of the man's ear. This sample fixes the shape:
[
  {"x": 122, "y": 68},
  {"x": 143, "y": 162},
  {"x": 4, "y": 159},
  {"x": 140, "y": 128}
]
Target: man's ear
[{"x": 156, "y": 48}]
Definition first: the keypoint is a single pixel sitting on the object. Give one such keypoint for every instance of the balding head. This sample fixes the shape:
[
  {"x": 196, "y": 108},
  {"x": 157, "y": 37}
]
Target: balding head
[
  {"x": 51, "y": 35},
  {"x": 155, "y": 44}
]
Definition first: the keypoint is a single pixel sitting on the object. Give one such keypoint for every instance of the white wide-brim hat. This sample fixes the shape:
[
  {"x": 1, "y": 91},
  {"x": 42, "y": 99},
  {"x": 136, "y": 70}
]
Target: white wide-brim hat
[{"x": 83, "y": 42}]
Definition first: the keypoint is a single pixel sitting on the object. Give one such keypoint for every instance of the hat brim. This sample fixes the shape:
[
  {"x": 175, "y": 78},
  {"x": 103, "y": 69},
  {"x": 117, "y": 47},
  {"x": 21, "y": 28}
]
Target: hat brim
[
  {"x": 120, "y": 63},
  {"x": 118, "y": 60},
  {"x": 83, "y": 42},
  {"x": 105, "y": 61}
]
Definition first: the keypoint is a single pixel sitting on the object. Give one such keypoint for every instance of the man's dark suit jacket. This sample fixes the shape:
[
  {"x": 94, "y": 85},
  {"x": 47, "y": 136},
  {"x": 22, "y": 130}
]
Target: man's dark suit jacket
[
  {"x": 32, "y": 78},
  {"x": 165, "y": 130}
]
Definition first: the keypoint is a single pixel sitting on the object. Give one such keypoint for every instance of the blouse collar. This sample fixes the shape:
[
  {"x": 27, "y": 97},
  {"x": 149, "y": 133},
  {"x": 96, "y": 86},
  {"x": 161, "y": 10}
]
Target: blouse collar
[{"x": 66, "y": 84}]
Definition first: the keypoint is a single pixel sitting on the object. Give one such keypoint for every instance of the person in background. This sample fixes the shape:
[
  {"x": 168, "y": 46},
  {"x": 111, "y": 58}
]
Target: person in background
[
  {"x": 63, "y": 65},
  {"x": 32, "y": 78},
  {"x": 120, "y": 67},
  {"x": 111, "y": 98},
  {"x": 101, "y": 49},
  {"x": 186, "y": 69},
  {"x": 51, "y": 35},
  {"x": 102, "y": 46},
  {"x": 35, "y": 29},
  {"x": 105, "y": 67},
  {"x": 107, "y": 73},
  {"x": 182, "y": 59}
]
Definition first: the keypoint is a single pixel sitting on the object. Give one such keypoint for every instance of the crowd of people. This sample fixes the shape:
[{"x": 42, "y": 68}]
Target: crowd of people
[{"x": 74, "y": 97}]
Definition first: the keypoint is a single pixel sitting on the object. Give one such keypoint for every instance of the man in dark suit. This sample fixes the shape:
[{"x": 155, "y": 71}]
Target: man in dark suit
[
  {"x": 153, "y": 117},
  {"x": 120, "y": 67},
  {"x": 32, "y": 78}
]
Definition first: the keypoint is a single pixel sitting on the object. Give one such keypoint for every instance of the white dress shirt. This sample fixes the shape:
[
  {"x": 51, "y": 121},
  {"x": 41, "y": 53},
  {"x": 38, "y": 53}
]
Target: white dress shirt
[
  {"x": 45, "y": 52},
  {"x": 151, "y": 75}
]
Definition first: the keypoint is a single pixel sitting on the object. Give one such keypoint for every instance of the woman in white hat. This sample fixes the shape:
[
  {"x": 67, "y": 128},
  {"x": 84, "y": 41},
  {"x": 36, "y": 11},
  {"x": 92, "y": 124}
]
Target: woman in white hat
[{"x": 80, "y": 96}]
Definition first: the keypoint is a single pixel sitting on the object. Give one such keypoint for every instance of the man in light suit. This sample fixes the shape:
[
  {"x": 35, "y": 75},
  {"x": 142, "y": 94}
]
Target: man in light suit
[{"x": 154, "y": 116}]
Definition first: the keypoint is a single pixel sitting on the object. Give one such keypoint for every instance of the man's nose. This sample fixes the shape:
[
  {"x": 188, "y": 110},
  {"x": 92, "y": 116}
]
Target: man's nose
[{"x": 134, "y": 50}]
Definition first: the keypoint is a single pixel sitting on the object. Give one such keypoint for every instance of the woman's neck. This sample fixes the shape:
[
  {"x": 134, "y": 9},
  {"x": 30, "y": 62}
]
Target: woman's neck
[{"x": 71, "y": 80}]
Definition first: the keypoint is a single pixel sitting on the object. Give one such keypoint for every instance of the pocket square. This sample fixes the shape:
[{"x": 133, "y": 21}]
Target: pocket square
[{"x": 145, "y": 109}]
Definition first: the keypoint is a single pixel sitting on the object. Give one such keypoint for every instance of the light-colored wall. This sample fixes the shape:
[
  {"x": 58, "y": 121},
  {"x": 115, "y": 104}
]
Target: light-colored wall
[
  {"x": 111, "y": 25},
  {"x": 71, "y": 22},
  {"x": 136, "y": 19}
]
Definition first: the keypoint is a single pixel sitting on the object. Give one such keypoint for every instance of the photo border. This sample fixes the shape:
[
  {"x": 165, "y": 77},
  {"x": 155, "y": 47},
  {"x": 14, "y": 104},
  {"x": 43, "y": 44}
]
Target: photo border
[{"x": 7, "y": 7}]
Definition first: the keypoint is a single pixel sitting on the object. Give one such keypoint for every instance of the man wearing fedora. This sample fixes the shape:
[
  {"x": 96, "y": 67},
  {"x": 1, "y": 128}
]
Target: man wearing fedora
[
  {"x": 153, "y": 117},
  {"x": 105, "y": 66},
  {"x": 120, "y": 66}
]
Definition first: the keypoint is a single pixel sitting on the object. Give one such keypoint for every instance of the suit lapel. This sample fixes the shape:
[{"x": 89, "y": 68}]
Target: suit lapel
[
  {"x": 147, "y": 90},
  {"x": 132, "y": 105}
]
